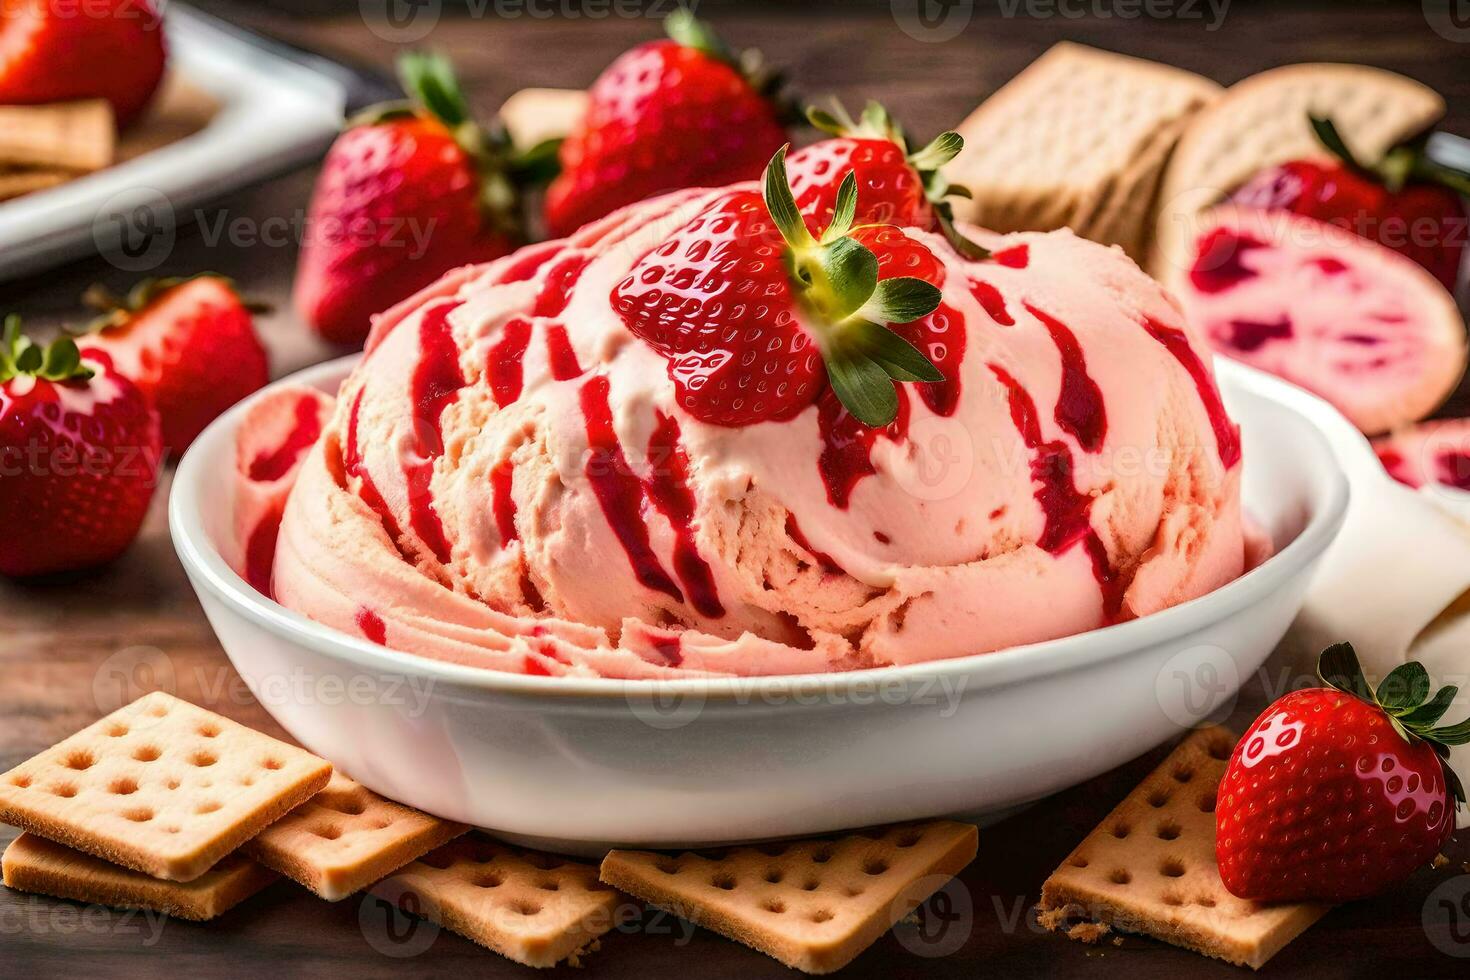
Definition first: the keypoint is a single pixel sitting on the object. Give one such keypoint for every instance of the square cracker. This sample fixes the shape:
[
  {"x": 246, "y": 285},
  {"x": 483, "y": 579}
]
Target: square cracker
[
  {"x": 74, "y": 136},
  {"x": 1077, "y": 132},
  {"x": 35, "y": 864},
  {"x": 1149, "y": 867},
  {"x": 813, "y": 905},
  {"x": 530, "y": 907},
  {"x": 160, "y": 786},
  {"x": 347, "y": 837}
]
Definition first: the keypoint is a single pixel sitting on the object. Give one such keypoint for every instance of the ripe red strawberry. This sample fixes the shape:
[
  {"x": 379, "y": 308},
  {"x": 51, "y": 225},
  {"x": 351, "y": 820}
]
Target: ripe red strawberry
[
  {"x": 1337, "y": 792},
  {"x": 749, "y": 308},
  {"x": 79, "y": 456},
  {"x": 101, "y": 49},
  {"x": 407, "y": 193},
  {"x": 189, "y": 344},
  {"x": 894, "y": 186},
  {"x": 1406, "y": 202},
  {"x": 666, "y": 115}
]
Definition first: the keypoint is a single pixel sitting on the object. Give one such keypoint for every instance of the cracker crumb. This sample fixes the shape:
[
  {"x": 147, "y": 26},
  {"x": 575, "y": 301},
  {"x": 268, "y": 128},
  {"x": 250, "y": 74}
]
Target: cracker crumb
[{"x": 574, "y": 958}]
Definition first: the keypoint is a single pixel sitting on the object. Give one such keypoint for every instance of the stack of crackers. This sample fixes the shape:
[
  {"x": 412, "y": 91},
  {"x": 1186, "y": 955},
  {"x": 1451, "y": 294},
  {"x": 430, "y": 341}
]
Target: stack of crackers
[
  {"x": 43, "y": 146},
  {"x": 163, "y": 805}
]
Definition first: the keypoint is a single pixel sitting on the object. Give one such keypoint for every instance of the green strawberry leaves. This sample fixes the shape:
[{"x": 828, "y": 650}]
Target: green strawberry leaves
[
  {"x": 1400, "y": 165},
  {"x": 835, "y": 280},
  {"x": 928, "y": 162},
  {"x": 21, "y": 357},
  {"x": 1404, "y": 697}
]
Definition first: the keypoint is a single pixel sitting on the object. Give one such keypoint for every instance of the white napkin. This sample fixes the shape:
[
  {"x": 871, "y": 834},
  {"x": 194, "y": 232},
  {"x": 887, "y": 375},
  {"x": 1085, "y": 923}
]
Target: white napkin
[{"x": 1395, "y": 583}]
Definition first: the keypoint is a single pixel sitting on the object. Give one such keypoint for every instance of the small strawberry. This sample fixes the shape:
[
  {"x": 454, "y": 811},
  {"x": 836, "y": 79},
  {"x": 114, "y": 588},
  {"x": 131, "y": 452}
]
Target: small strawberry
[
  {"x": 408, "y": 192},
  {"x": 894, "y": 186},
  {"x": 756, "y": 316},
  {"x": 79, "y": 456},
  {"x": 1407, "y": 201},
  {"x": 685, "y": 112},
  {"x": 1337, "y": 792},
  {"x": 103, "y": 49},
  {"x": 189, "y": 344}
]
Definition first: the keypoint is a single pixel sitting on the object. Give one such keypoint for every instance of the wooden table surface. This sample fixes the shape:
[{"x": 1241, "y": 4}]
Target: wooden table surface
[{"x": 69, "y": 649}]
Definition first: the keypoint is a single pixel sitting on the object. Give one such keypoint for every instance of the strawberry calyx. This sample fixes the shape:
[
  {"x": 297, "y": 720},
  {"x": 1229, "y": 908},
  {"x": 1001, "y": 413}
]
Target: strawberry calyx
[
  {"x": 114, "y": 311},
  {"x": 1406, "y": 163},
  {"x": 22, "y": 357},
  {"x": 1404, "y": 696},
  {"x": 688, "y": 31},
  {"x": 928, "y": 162},
  {"x": 504, "y": 171},
  {"x": 834, "y": 279}
]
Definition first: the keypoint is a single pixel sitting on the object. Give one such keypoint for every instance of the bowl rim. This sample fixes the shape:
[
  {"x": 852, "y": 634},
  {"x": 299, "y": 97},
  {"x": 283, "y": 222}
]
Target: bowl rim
[{"x": 207, "y": 569}]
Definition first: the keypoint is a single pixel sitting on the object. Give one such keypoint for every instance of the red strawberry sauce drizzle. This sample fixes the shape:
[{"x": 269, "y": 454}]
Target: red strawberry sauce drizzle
[
  {"x": 1065, "y": 509},
  {"x": 556, "y": 292},
  {"x": 530, "y": 260},
  {"x": 368, "y": 490},
  {"x": 1080, "y": 409},
  {"x": 1227, "y": 433},
  {"x": 371, "y": 625},
  {"x": 847, "y": 445},
  {"x": 619, "y": 491},
  {"x": 503, "y": 363},
  {"x": 669, "y": 648},
  {"x": 502, "y": 502},
  {"x": 559, "y": 353},
  {"x": 270, "y": 467},
  {"x": 1218, "y": 266},
  {"x": 436, "y": 381},
  {"x": 991, "y": 302},
  {"x": 1015, "y": 257},
  {"x": 260, "y": 553},
  {"x": 668, "y": 488},
  {"x": 793, "y": 531}
]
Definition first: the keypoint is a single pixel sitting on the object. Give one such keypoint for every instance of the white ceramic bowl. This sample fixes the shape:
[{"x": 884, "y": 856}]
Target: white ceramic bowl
[{"x": 577, "y": 764}]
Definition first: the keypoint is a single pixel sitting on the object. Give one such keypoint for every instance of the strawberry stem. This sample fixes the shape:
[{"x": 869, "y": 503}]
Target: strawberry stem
[
  {"x": 1399, "y": 166},
  {"x": 835, "y": 279},
  {"x": 1404, "y": 697},
  {"x": 21, "y": 357}
]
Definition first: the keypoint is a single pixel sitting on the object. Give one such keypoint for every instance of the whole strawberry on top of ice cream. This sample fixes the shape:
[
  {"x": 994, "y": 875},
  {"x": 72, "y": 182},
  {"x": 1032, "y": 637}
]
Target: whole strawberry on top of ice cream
[{"x": 697, "y": 437}]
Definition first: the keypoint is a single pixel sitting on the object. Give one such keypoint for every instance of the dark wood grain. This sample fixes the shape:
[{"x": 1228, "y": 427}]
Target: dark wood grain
[{"x": 68, "y": 650}]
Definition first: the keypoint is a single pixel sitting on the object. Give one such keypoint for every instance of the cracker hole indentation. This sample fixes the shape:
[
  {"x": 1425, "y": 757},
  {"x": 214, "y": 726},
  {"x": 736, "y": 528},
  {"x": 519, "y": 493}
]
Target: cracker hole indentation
[
  {"x": 549, "y": 885},
  {"x": 1172, "y": 868},
  {"x": 64, "y": 790},
  {"x": 1172, "y": 900},
  {"x": 1120, "y": 876},
  {"x": 822, "y": 855},
  {"x": 489, "y": 879},
  {"x": 1205, "y": 901},
  {"x": 158, "y": 710},
  {"x": 208, "y": 729},
  {"x": 329, "y": 831},
  {"x": 272, "y": 763},
  {"x": 774, "y": 905},
  {"x": 908, "y": 838},
  {"x": 20, "y": 781},
  {"x": 875, "y": 866},
  {"x": 821, "y": 915},
  {"x": 208, "y": 806},
  {"x": 1121, "y": 830},
  {"x": 123, "y": 787},
  {"x": 147, "y": 753},
  {"x": 348, "y": 805},
  {"x": 138, "y": 814},
  {"x": 852, "y": 891},
  {"x": 79, "y": 760},
  {"x": 774, "y": 875},
  {"x": 1168, "y": 831},
  {"x": 438, "y": 861},
  {"x": 1207, "y": 803},
  {"x": 667, "y": 865},
  {"x": 1219, "y": 750},
  {"x": 1158, "y": 798},
  {"x": 1182, "y": 774},
  {"x": 1078, "y": 861},
  {"x": 724, "y": 882},
  {"x": 526, "y": 908},
  {"x": 203, "y": 759},
  {"x": 810, "y": 885},
  {"x": 116, "y": 730}
]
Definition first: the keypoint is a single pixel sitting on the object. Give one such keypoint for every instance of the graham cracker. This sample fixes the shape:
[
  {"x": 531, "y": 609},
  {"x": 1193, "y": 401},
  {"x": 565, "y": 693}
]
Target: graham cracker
[
  {"x": 34, "y": 864},
  {"x": 813, "y": 905},
  {"x": 1262, "y": 121},
  {"x": 533, "y": 908},
  {"x": 347, "y": 837},
  {"x": 534, "y": 115},
  {"x": 1074, "y": 136},
  {"x": 1149, "y": 867},
  {"x": 69, "y": 136},
  {"x": 160, "y": 786},
  {"x": 19, "y": 183}
]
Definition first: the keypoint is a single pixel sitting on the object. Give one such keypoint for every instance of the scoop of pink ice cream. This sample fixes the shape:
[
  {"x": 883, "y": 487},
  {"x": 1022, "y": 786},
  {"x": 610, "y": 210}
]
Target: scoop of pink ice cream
[{"x": 509, "y": 481}]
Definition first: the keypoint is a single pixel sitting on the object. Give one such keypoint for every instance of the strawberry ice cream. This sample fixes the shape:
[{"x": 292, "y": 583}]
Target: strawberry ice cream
[{"x": 515, "y": 479}]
